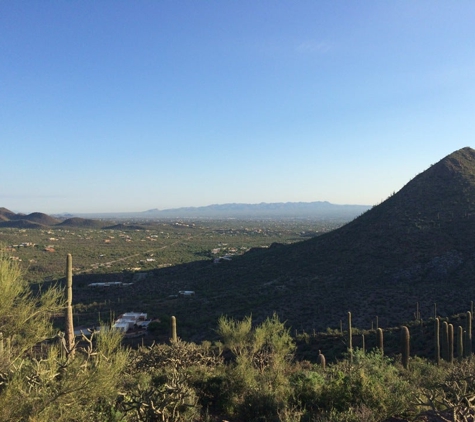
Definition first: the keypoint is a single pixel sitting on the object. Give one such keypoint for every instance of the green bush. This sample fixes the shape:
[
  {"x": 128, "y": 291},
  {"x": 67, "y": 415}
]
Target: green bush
[
  {"x": 372, "y": 384},
  {"x": 307, "y": 387},
  {"x": 258, "y": 378}
]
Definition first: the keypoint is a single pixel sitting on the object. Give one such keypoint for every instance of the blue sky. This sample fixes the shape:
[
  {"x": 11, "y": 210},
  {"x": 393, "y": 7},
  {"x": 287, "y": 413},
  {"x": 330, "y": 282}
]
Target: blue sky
[{"x": 109, "y": 106}]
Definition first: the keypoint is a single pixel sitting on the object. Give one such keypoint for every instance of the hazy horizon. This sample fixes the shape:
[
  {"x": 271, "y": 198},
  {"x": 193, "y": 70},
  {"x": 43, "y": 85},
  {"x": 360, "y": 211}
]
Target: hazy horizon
[
  {"x": 72, "y": 212},
  {"x": 130, "y": 106}
]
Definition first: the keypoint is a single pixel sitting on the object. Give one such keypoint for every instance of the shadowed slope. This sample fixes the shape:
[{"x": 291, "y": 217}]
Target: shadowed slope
[
  {"x": 424, "y": 232},
  {"x": 417, "y": 246},
  {"x": 83, "y": 223}
]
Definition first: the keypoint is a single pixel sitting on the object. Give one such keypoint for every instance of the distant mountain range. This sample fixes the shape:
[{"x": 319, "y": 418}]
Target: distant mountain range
[
  {"x": 310, "y": 210},
  {"x": 318, "y": 209}
]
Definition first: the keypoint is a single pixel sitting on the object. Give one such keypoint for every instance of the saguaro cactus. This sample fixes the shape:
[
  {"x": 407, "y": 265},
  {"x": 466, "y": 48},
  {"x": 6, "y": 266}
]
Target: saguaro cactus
[
  {"x": 437, "y": 340},
  {"x": 321, "y": 360},
  {"x": 451, "y": 343},
  {"x": 69, "y": 325},
  {"x": 350, "y": 338},
  {"x": 468, "y": 336},
  {"x": 460, "y": 342},
  {"x": 380, "y": 340},
  {"x": 173, "y": 330},
  {"x": 445, "y": 341},
  {"x": 405, "y": 346}
]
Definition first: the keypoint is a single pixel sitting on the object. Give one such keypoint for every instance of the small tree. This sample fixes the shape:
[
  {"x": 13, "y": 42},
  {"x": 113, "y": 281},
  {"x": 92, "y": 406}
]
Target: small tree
[{"x": 25, "y": 317}]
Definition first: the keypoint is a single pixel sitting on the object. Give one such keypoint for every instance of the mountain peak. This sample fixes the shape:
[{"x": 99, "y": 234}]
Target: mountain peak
[
  {"x": 460, "y": 162},
  {"x": 446, "y": 190}
]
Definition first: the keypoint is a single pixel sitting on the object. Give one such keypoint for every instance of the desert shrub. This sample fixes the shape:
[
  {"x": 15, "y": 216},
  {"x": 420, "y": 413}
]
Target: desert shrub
[
  {"x": 257, "y": 378},
  {"x": 371, "y": 385},
  {"x": 165, "y": 382},
  {"x": 53, "y": 387},
  {"x": 306, "y": 387},
  {"x": 447, "y": 390}
]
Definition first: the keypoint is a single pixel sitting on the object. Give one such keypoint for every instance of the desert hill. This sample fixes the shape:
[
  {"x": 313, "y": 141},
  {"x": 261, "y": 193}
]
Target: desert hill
[
  {"x": 6, "y": 214},
  {"x": 424, "y": 233},
  {"x": 417, "y": 246},
  {"x": 33, "y": 220},
  {"x": 37, "y": 220}
]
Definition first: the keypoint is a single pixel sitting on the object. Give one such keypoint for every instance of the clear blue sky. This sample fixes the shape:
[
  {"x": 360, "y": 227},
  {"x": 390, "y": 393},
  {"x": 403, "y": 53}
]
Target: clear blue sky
[{"x": 110, "y": 106}]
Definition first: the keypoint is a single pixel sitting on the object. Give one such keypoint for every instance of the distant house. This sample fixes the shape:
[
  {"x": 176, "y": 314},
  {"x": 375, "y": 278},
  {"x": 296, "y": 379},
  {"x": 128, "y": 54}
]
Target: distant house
[
  {"x": 130, "y": 320},
  {"x": 108, "y": 284},
  {"x": 186, "y": 293}
]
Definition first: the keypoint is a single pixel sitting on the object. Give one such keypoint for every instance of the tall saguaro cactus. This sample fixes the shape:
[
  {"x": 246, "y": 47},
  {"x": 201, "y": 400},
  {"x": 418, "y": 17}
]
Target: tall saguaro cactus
[
  {"x": 468, "y": 336},
  {"x": 445, "y": 341},
  {"x": 405, "y": 346},
  {"x": 437, "y": 340},
  {"x": 380, "y": 340},
  {"x": 173, "y": 329},
  {"x": 350, "y": 338},
  {"x": 418, "y": 312},
  {"x": 451, "y": 343},
  {"x": 460, "y": 342},
  {"x": 69, "y": 326}
]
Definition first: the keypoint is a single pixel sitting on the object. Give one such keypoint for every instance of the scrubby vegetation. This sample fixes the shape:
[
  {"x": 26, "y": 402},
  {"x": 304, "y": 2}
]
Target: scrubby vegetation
[
  {"x": 157, "y": 244},
  {"x": 251, "y": 374}
]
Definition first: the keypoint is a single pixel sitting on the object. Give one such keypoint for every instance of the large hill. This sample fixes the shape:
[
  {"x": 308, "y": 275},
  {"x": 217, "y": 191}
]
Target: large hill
[{"x": 417, "y": 246}]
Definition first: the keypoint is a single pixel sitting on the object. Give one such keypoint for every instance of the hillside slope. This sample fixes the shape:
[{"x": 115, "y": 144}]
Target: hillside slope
[{"x": 417, "y": 246}]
